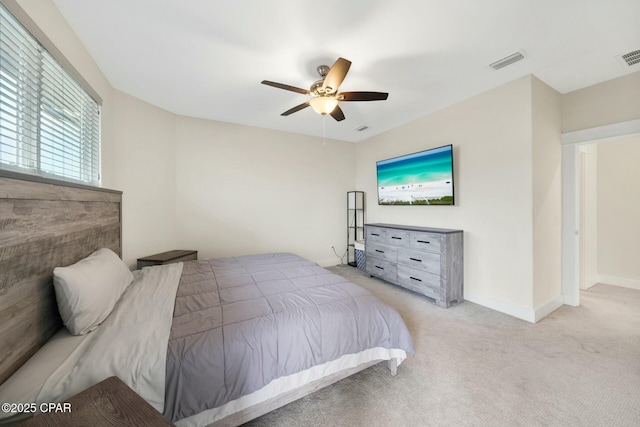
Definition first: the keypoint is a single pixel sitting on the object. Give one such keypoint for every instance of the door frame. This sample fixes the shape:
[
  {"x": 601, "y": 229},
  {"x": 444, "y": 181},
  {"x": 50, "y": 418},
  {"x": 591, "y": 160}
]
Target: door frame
[{"x": 571, "y": 197}]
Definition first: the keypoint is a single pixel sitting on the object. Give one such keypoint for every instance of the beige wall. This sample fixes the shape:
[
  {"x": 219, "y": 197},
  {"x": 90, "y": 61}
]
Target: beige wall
[
  {"x": 610, "y": 102},
  {"x": 618, "y": 212},
  {"x": 144, "y": 149},
  {"x": 547, "y": 174},
  {"x": 243, "y": 190},
  {"x": 491, "y": 134}
]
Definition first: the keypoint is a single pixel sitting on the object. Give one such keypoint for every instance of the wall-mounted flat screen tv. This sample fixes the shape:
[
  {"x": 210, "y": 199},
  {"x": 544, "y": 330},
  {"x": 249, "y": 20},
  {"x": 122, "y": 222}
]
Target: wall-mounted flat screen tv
[{"x": 424, "y": 178}]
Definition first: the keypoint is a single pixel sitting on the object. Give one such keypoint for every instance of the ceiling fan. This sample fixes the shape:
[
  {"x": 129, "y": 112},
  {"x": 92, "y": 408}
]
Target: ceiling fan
[{"x": 325, "y": 91}]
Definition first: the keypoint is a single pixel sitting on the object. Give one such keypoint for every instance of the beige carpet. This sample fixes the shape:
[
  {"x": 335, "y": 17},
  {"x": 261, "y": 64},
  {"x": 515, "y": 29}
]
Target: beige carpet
[{"x": 477, "y": 367}]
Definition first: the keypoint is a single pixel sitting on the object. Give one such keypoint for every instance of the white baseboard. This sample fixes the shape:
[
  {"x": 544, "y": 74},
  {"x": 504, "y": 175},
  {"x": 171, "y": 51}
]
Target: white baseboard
[
  {"x": 620, "y": 281},
  {"x": 515, "y": 310},
  {"x": 573, "y": 301},
  {"x": 548, "y": 308},
  {"x": 330, "y": 262},
  {"x": 590, "y": 283}
]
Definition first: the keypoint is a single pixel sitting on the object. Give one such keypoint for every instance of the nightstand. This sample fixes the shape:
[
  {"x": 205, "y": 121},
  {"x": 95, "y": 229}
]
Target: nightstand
[
  {"x": 108, "y": 403},
  {"x": 177, "y": 255}
]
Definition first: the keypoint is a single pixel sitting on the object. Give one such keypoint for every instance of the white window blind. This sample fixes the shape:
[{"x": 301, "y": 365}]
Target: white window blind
[{"x": 49, "y": 125}]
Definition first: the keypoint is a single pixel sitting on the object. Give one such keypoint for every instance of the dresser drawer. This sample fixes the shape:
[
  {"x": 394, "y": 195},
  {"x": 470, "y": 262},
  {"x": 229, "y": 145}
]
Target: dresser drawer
[
  {"x": 425, "y": 242},
  {"x": 426, "y": 261},
  {"x": 397, "y": 238},
  {"x": 382, "y": 269},
  {"x": 388, "y": 253},
  {"x": 388, "y": 236},
  {"x": 376, "y": 235},
  {"x": 419, "y": 281}
]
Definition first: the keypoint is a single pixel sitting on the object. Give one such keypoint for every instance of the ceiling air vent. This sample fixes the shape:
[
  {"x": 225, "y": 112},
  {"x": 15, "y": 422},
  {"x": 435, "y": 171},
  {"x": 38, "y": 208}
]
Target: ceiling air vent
[
  {"x": 362, "y": 128},
  {"x": 507, "y": 61},
  {"x": 632, "y": 58}
]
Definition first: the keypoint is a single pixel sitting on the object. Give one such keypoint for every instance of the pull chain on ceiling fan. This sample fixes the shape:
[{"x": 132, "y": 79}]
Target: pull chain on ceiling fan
[{"x": 325, "y": 91}]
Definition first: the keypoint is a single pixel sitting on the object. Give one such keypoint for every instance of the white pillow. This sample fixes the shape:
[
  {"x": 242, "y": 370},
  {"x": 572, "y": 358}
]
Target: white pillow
[{"x": 88, "y": 290}]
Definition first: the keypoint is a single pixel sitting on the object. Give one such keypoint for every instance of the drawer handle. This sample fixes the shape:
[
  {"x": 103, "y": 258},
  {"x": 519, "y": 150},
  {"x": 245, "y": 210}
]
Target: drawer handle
[
  {"x": 415, "y": 259},
  {"x": 415, "y": 278},
  {"x": 378, "y": 250},
  {"x": 398, "y": 238},
  {"x": 374, "y": 234},
  {"x": 424, "y": 241},
  {"x": 381, "y": 268}
]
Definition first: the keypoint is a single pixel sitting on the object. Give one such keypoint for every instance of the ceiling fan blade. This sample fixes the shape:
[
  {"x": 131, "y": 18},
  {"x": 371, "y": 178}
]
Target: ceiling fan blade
[
  {"x": 336, "y": 75},
  {"x": 286, "y": 87},
  {"x": 296, "y": 109},
  {"x": 337, "y": 114},
  {"x": 362, "y": 96}
]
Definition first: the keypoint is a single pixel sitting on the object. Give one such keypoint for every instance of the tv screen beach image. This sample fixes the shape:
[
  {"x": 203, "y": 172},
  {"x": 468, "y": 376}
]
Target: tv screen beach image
[{"x": 424, "y": 178}]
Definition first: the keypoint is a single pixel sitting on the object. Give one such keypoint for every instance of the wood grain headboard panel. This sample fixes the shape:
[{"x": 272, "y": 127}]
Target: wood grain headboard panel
[{"x": 44, "y": 224}]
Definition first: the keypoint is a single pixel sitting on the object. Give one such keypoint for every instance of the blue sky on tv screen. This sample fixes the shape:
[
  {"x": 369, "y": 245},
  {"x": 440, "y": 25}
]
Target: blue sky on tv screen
[{"x": 425, "y": 166}]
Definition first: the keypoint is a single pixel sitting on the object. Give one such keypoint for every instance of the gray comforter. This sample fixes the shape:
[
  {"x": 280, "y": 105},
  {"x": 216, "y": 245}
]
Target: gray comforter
[{"x": 242, "y": 322}]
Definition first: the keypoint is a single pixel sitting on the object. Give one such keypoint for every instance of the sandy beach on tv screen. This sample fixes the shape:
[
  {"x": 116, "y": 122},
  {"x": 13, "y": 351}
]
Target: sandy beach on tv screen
[{"x": 419, "y": 192}]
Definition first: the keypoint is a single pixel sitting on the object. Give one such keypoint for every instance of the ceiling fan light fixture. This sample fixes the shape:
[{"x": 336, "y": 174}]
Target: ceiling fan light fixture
[
  {"x": 323, "y": 104},
  {"x": 324, "y": 92}
]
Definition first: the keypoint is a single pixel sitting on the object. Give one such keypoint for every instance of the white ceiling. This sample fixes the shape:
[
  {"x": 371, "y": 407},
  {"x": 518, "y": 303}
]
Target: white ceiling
[{"x": 206, "y": 58}]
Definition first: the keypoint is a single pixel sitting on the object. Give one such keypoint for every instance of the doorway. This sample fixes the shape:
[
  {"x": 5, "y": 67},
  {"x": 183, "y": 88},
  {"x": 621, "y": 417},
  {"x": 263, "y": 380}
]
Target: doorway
[{"x": 572, "y": 264}]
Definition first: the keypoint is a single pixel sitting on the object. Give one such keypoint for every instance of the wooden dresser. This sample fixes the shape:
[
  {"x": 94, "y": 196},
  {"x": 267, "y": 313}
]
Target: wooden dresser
[{"x": 428, "y": 261}]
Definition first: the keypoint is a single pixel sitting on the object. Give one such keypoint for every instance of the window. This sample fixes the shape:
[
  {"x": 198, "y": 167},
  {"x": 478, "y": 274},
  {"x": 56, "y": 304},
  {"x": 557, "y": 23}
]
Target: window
[{"x": 49, "y": 125}]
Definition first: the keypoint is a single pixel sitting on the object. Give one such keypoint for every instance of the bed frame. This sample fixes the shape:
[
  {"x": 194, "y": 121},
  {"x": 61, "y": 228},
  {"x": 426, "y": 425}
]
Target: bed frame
[
  {"x": 279, "y": 401},
  {"x": 44, "y": 224}
]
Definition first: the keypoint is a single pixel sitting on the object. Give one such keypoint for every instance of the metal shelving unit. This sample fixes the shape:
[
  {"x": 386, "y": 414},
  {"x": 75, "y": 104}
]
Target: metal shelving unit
[{"x": 355, "y": 223}]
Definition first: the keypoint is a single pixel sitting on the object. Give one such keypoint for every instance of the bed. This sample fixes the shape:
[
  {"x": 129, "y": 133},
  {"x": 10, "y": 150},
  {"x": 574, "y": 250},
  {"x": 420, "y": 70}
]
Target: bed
[{"x": 272, "y": 327}]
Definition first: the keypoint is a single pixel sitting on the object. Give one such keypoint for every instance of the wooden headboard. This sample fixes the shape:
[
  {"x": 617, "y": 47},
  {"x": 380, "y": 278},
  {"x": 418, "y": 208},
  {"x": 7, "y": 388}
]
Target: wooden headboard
[{"x": 44, "y": 224}]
